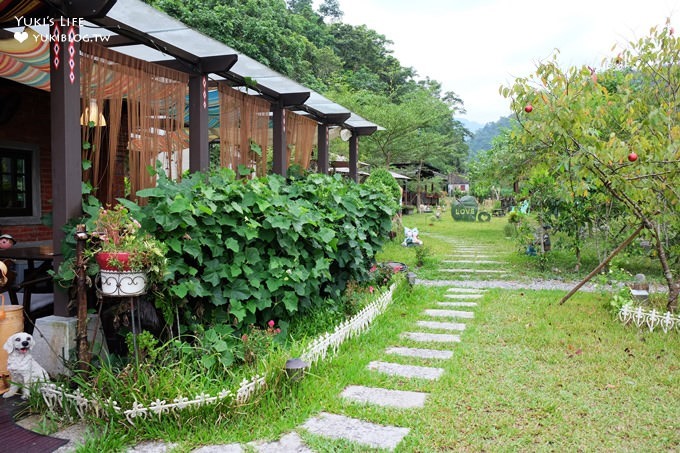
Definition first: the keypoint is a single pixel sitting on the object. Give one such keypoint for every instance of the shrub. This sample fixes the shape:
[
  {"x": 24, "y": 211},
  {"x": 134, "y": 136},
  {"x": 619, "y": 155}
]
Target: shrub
[
  {"x": 243, "y": 252},
  {"x": 381, "y": 178}
]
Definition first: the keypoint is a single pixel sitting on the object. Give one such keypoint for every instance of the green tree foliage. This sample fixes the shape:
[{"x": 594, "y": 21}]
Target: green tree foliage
[
  {"x": 352, "y": 65},
  {"x": 381, "y": 178},
  {"x": 330, "y": 9},
  {"x": 587, "y": 124},
  {"x": 418, "y": 126}
]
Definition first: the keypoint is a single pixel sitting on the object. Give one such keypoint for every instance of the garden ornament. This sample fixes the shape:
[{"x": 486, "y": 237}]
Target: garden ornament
[
  {"x": 7, "y": 241},
  {"x": 22, "y": 367},
  {"x": 411, "y": 238}
]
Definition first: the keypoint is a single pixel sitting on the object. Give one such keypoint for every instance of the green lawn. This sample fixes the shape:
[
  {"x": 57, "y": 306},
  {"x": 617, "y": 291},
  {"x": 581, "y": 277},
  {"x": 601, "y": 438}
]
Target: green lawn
[{"x": 529, "y": 374}]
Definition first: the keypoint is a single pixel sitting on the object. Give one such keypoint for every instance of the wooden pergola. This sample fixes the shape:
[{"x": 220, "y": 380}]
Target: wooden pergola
[{"x": 134, "y": 28}]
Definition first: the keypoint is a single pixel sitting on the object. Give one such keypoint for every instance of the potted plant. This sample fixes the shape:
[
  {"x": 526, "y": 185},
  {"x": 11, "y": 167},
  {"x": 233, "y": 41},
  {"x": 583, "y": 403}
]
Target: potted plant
[{"x": 128, "y": 258}]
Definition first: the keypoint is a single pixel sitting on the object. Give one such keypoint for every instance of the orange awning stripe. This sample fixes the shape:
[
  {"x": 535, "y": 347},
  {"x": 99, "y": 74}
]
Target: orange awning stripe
[
  {"x": 26, "y": 60},
  {"x": 32, "y": 50}
]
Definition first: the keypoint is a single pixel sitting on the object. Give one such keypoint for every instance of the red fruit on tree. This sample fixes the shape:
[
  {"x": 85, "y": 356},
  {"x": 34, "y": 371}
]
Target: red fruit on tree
[
  {"x": 632, "y": 156},
  {"x": 528, "y": 108}
]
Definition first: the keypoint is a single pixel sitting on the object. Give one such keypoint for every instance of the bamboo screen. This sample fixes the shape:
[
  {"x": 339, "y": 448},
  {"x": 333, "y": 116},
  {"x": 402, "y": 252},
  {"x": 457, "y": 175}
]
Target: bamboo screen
[
  {"x": 155, "y": 98},
  {"x": 300, "y": 133},
  {"x": 244, "y": 120}
]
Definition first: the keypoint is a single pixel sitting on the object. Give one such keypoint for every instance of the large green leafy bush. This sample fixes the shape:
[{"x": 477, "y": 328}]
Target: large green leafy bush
[
  {"x": 247, "y": 251},
  {"x": 382, "y": 177}
]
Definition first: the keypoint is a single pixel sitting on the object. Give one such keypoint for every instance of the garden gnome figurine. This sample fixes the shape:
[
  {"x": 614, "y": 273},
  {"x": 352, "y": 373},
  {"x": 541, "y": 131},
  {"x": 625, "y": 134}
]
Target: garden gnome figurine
[{"x": 7, "y": 241}]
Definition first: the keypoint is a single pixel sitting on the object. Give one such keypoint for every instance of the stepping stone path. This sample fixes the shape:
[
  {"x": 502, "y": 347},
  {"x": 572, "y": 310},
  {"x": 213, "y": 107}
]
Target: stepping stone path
[
  {"x": 474, "y": 271},
  {"x": 365, "y": 433},
  {"x": 291, "y": 442},
  {"x": 361, "y": 432},
  {"x": 388, "y": 437},
  {"x": 473, "y": 261},
  {"x": 431, "y": 337},
  {"x": 463, "y": 296},
  {"x": 408, "y": 371},
  {"x": 471, "y": 291},
  {"x": 457, "y": 304},
  {"x": 450, "y": 314},
  {"x": 420, "y": 353},
  {"x": 441, "y": 325},
  {"x": 384, "y": 397}
]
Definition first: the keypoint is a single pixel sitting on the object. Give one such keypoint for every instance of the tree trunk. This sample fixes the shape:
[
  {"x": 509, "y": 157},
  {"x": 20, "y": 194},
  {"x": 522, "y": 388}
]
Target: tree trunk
[{"x": 83, "y": 349}]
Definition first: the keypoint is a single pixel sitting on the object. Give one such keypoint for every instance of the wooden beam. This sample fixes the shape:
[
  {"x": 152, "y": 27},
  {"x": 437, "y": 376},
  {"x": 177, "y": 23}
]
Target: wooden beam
[
  {"x": 354, "y": 158},
  {"x": 199, "y": 146},
  {"x": 322, "y": 148},
  {"x": 66, "y": 143},
  {"x": 279, "y": 154}
]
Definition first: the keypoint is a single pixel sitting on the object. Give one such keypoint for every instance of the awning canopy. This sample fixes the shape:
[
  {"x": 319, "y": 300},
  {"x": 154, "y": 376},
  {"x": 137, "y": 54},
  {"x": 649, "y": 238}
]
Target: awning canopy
[{"x": 134, "y": 28}]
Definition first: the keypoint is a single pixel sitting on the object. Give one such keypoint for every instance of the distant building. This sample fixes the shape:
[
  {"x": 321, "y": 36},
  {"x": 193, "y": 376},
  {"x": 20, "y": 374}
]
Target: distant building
[{"x": 457, "y": 182}]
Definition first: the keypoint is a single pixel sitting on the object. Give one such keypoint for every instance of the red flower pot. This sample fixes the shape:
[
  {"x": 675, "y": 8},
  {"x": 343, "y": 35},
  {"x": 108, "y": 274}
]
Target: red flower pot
[{"x": 113, "y": 261}]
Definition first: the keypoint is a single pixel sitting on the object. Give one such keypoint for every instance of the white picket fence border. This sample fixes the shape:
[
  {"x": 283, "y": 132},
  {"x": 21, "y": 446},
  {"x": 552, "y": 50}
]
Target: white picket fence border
[
  {"x": 652, "y": 319},
  {"x": 319, "y": 347},
  {"x": 56, "y": 397}
]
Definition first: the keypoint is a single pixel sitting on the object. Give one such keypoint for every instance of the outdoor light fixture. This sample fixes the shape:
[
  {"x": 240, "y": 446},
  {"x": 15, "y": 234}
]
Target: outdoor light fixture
[
  {"x": 295, "y": 369},
  {"x": 411, "y": 278},
  {"x": 92, "y": 115},
  {"x": 345, "y": 134}
]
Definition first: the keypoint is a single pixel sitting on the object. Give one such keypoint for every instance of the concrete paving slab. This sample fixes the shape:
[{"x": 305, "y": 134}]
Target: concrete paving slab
[
  {"x": 468, "y": 255},
  {"x": 384, "y": 397},
  {"x": 457, "y": 289},
  {"x": 222, "y": 448},
  {"x": 409, "y": 371},
  {"x": 420, "y": 353},
  {"x": 359, "y": 431},
  {"x": 474, "y": 271},
  {"x": 431, "y": 337},
  {"x": 457, "y": 304},
  {"x": 466, "y": 296},
  {"x": 290, "y": 443},
  {"x": 441, "y": 325},
  {"x": 449, "y": 313},
  {"x": 473, "y": 261}
]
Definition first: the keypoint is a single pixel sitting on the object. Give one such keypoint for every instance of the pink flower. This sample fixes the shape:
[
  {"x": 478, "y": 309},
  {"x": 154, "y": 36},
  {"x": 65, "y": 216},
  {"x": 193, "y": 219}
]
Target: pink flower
[
  {"x": 244, "y": 337},
  {"x": 271, "y": 323},
  {"x": 278, "y": 330},
  {"x": 374, "y": 268},
  {"x": 370, "y": 289}
]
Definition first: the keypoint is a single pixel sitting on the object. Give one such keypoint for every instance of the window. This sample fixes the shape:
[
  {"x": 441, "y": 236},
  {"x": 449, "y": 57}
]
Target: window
[{"x": 19, "y": 184}]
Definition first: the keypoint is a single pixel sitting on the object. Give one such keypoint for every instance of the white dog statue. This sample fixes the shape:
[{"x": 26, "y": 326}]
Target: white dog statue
[{"x": 22, "y": 367}]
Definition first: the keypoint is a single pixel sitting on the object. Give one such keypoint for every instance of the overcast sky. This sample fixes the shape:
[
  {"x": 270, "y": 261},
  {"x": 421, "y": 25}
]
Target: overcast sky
[{"x": 474, "y": 46}]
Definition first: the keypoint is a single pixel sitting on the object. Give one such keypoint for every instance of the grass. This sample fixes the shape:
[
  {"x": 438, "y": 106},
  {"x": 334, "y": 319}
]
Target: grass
[
  {"x": 529, "y": 374},
  {"x": 442, "y": 236}
]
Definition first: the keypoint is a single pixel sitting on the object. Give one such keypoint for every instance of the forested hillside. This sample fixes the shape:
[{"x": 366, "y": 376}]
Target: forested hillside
[
  {"x": 352, "y": 65},
  {"x": 483, "y": 138}
]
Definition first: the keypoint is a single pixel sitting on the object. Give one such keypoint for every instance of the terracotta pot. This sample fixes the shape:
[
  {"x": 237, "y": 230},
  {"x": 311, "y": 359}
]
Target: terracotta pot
[{"x": 113, "y": 261}]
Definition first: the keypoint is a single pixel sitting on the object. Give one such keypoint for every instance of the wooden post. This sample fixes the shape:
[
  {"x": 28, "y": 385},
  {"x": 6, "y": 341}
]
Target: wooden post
[
  {"x": 81, "y": 287},
  {"x": 603, "y": 264}
]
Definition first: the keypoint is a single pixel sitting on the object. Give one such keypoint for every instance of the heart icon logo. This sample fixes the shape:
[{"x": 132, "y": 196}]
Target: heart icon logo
[{"x": 21, "y": 36}]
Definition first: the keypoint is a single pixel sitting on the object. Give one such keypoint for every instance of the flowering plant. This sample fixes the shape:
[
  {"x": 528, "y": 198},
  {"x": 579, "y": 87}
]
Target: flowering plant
[{"x": 116, "y": 232}]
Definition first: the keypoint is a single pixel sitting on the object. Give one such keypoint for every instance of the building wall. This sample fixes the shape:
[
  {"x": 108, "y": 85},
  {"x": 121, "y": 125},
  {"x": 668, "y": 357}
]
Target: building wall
[{"x": 30, "y": 124}]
